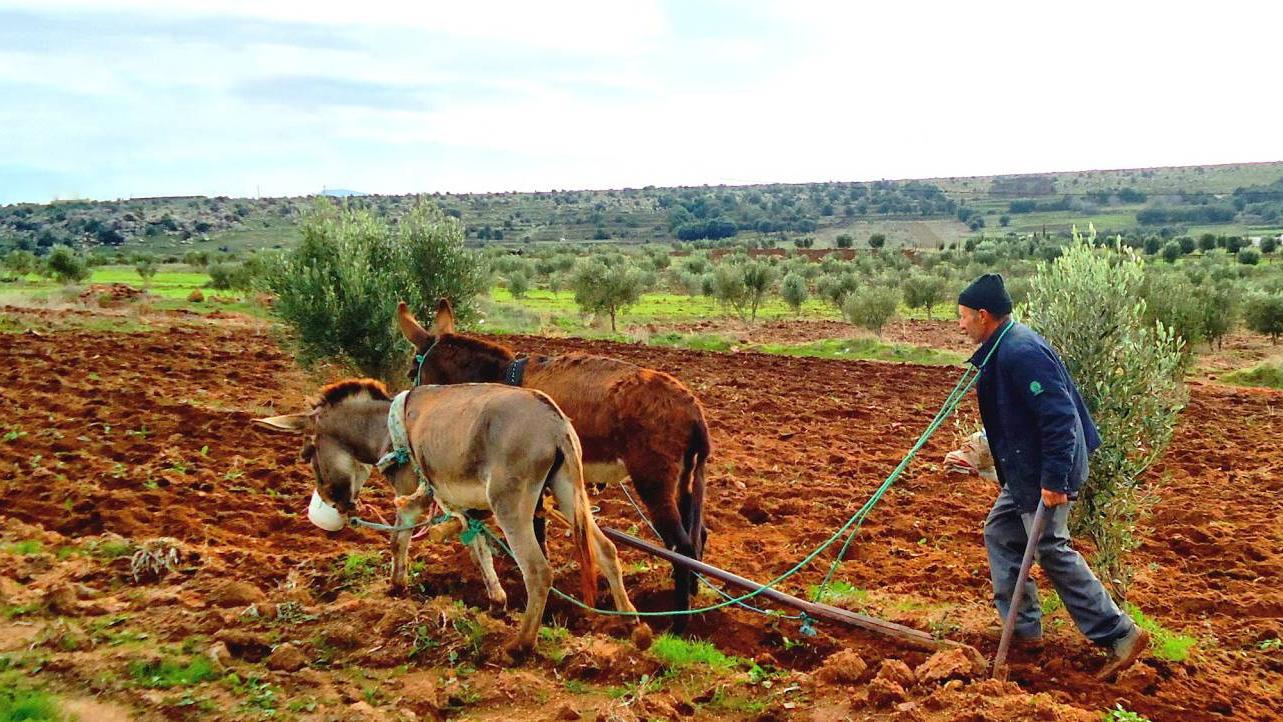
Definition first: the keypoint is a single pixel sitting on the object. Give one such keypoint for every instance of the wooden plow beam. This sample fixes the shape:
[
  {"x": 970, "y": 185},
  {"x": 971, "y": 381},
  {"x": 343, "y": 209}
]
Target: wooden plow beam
[{"x": 898, "y": 632}]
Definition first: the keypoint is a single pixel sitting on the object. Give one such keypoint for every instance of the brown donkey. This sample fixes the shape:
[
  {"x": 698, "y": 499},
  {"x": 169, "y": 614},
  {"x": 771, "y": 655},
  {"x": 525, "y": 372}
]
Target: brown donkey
[
  {"x": 482, "y": 446},
  {"x": 631, "y": 421}
]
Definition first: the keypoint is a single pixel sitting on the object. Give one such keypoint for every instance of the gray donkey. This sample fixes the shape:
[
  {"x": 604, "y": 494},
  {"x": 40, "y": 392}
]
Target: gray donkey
[{"x": 481, "y": 446}]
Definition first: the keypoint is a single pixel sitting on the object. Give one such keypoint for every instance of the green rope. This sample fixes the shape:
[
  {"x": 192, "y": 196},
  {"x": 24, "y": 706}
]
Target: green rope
[{"x": 969, "y": 379}]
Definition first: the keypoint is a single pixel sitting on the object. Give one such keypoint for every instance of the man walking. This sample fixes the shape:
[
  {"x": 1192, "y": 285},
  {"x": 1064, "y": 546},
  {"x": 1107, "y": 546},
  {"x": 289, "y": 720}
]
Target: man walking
[{"x": 1040, "y": 434}]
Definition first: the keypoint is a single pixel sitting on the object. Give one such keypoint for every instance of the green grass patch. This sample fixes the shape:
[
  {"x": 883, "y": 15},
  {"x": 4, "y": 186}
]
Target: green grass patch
[
  {"x": 168, "y": 673},
  {"x": 837, "y": 592},
  {"x": 358, "y": 566},
  {"x": 865, "y": 349},
  {"x": 1166, "y": 644},
  {"x": 108, "y": 549},
  {"x": 551, "y": 643},
  {"x": 678, "y": 653},
  {"x": 27, "y": 547},
  {"x": 29, "y": 705},
  {"x": 18, "y": 610},
  {"x": 1051, "y": 603},
  {"x": 1266, "y": 375},
  {"x": 696, "y": 342},
  {"x": 1118, "y": 714}
]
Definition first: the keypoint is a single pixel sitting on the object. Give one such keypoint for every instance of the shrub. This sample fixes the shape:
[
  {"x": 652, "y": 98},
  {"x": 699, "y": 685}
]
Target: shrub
[
  {"x": 871, "y": 307},
  {"x": 66, "y": 265},
  {"x": 1171, "y": 251},
  {"x": 338, "y": 288},
  {"x": 221, "y": 275},
  {"x": 837, "y": 286},
  {"x": 877, "y": 240},
  {"x": 21, "y": 262},
  {"x": 1170, "y": 299},
  {"x": 518, "y": 285},
  {"x": 793, "y": 291},
  {"x": 602, "y": 287},
  {"x": 923, "y": 291},
  {"x": 1263, "y": 313},
  {"x": 1218, "y": 305},
  {"x": 1129, "y": 371},
  {"x": 742, "y": 286},
  {"x": 146, "y": 267},
  {"x": 1249, "y": 256}
]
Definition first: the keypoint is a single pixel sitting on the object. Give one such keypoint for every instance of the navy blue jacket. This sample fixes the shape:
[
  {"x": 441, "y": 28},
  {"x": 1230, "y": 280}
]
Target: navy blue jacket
[{"x": 1039, "y": 429}]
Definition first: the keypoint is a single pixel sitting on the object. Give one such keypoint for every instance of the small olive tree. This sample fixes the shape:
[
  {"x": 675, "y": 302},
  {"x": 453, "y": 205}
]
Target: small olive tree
[
  {"x": 1263, "y": 313},
  {"x": 1129, "y": 369},
  {"x": 338, "y": 289},
  {"x": 924, "y": 291},
  {"x": 871, "y": 307},
  {"x": 66, "y": 265},
  {"x": 742, "y": 286},
  {"x": 793, "y": 291},
  {"x": 146, "y": 267},
  {"x": 608, "y": 288}
]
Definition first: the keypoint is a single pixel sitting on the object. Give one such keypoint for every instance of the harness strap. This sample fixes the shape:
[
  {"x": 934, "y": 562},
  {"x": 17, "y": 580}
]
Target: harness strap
[
  {"x": 516, "y": 371},
  {"x": 400, "y": 453}
]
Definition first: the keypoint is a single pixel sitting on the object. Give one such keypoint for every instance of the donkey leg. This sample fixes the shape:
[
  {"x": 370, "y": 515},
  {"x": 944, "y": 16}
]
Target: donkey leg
[
  {"x": 513, "y": 503},
  {"x": 660, "y": 498},
  {"x": 480, "y": 550},
  {"x": 536, "y": 572},
  {"x": 401, "y": 550},
  {"x": 608, "y": 561}
]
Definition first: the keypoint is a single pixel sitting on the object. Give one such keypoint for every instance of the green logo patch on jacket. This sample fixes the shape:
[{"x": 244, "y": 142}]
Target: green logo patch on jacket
[{"x": 1035, "y": 388}]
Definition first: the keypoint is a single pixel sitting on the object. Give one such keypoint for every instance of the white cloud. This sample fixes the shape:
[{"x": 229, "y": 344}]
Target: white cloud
[{"x": 219, "y": 97}]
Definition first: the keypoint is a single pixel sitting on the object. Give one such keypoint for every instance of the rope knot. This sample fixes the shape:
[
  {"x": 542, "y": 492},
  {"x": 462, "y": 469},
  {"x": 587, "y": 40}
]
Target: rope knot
[{"x": 475, "y": 527}]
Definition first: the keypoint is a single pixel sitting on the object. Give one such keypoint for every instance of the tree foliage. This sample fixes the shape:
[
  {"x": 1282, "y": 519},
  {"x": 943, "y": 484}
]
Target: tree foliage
[
  {"x": 338, "y": 288},
  {"x": 1129, "y": 370}
]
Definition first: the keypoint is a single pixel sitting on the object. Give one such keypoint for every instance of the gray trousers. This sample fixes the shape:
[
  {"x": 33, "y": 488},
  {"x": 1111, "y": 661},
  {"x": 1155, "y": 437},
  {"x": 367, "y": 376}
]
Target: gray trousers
[{"x": 1007, "y": 532}]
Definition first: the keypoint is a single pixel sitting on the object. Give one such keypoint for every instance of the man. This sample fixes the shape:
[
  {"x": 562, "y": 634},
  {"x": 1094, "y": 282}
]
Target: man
[{"x": 1040, "y": 434}]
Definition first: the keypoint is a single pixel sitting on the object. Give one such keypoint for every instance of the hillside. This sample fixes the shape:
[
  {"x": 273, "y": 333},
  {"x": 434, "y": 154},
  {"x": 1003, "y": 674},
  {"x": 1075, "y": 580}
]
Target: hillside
[{"x": 1243, "y": 199}]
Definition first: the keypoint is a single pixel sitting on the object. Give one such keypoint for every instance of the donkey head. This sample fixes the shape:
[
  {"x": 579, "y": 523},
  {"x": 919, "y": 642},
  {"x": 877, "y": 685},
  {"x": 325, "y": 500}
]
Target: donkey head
[
  {"x": 339, "y": 438},
  {"x": 442, "y": 356}
]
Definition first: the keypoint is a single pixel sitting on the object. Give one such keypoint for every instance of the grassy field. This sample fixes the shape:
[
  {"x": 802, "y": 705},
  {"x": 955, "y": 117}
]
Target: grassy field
[
  {"x": 1210, "y": 179},
  {"x": 541, "y": 311},
  {"x": 169, "y": 289}
]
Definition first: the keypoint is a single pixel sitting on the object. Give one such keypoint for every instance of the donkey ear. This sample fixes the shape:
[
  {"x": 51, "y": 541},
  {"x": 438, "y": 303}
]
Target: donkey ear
[
  {"x": 291, "y": 423},
  {"x": 410, "y": 328},
  {"x": 444, "y": 320}
]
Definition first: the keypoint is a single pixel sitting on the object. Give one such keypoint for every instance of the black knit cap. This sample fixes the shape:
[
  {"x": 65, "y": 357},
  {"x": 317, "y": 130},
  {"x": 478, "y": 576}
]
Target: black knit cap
[{"x": 988, "y": 293}]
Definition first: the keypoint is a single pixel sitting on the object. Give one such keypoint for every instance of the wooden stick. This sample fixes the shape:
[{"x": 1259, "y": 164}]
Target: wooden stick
[
  {"x": 1017, "y": 596},
  {"x": 911, "y": 636}
]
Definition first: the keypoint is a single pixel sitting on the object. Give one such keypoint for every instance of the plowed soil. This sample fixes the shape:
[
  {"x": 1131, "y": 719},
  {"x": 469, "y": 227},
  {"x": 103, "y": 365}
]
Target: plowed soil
[{"x": 146, "y": 435}]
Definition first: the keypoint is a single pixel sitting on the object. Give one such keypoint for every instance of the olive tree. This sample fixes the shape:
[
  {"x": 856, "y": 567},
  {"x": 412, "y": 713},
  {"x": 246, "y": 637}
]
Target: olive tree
[{"x": 1087, "y": 304}]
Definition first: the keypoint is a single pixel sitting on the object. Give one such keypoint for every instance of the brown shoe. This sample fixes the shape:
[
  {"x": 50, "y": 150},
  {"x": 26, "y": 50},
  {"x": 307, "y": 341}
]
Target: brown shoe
[{"x": 1126, "y": 651}]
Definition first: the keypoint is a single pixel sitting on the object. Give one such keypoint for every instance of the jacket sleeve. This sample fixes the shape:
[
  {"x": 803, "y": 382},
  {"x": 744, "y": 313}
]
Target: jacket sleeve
[{"x": 1040, "y": 383}]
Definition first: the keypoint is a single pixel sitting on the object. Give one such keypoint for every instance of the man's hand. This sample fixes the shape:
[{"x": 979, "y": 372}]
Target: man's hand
[{"x": 1053, "y": 498}]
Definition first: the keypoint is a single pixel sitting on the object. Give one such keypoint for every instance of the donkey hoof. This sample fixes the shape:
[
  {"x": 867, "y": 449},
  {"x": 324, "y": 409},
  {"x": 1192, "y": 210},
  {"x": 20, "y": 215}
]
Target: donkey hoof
[{"x": 642, "y": 636}]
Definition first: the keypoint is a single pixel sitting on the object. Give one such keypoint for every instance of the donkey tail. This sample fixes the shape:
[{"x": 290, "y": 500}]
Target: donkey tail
[
  {"x": 693, "y": 483},
  {"x": 568, "y": 487}
]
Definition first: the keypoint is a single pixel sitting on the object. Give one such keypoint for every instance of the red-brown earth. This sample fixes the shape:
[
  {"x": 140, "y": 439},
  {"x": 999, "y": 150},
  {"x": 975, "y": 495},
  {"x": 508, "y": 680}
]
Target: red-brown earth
[{"x": 145, "y": 435}]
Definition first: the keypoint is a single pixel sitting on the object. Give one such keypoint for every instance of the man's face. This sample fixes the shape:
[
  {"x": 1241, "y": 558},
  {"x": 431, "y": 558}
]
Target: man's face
[{"x": 973, "y": 323}]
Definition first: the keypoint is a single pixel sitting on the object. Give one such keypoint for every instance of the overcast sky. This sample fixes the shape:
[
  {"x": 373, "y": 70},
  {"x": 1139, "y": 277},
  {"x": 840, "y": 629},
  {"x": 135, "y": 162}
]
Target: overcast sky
[{"x": 121, "y": 98}]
